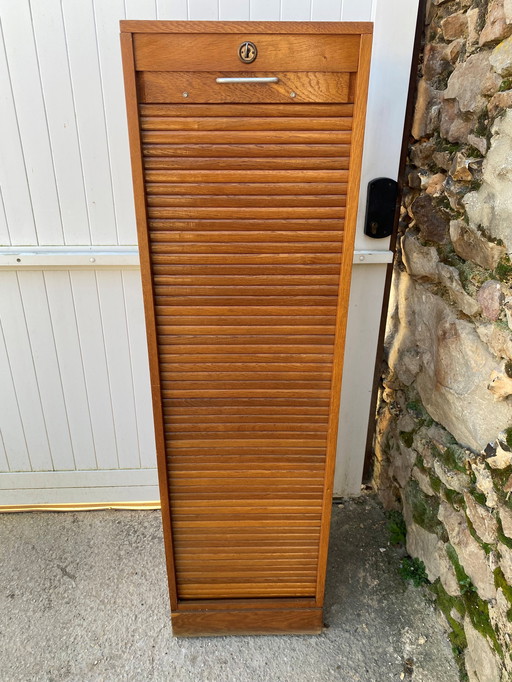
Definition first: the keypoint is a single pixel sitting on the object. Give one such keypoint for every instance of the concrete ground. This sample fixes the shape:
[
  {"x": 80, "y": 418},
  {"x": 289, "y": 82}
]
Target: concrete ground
[{"x": 83, "y": 597}]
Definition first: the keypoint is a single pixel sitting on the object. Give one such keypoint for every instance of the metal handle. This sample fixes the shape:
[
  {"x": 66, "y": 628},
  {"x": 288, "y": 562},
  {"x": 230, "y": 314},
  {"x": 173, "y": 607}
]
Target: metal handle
[{"x": 256, "y": 79}]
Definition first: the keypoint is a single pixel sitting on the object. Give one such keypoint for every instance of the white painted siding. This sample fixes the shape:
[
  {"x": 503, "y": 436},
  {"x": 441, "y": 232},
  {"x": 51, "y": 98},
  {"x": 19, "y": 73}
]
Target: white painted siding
[{"x": 75, "y": 408}]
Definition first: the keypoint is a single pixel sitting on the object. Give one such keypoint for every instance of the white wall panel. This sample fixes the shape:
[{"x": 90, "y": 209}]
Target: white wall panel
[
  {"x": 88, "y": 98},
  {"x": 60, "y": 116},
  {"x": 17, "y": 202},
  {"x": 234, "y": 10},
  {"x": 203, "y": 10},
  {"x": 264, "y": 10},
  {"x": 176, "y": 10},
  {"x": 92, "y": 344},
  {"x": 31, "y": 117},
  {"x": 106, "y": 20},
  {"x": 46, "y": 365},
  {"x": 75, "y": 405},
  {"x": 19, "y": 352},
  {"x": 117, "y": 355},
  {"x": 13, "y": 436},
  {"x": 69, "y": 354}
]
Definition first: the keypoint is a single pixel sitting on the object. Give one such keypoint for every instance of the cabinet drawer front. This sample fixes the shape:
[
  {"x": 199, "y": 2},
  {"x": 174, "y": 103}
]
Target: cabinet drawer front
[
  {"x": 202, "y": 87},
  {"x": 217, "y": 52}
]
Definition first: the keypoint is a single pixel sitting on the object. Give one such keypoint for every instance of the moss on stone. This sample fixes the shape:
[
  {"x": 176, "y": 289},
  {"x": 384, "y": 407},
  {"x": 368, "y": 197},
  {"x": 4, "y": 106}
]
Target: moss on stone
[
  {"x": 407, "y": 438},
  {"x": 502, "y": 537},
  {"x": 478, "y": 611},
  {"x": 508, "y": 436},
  {"x": 478, "y": 496},
  {"x": 425, "y": 508},
  {"x": 484, "y": 545},
  {"x": 508, "y": 368},
  {"x": 501, "y": 582},
  {"x": 463, "y": 578},
  {"x": 482, "y": 125},
  {"x": 435, "y": 482},
  {"x": 453, "y": 457},
  {"x": 500, "y": 477},
  {"x": 506, "y": 84},
  {"x": 454, "y": 498},
  {"x": 503, "y": 271},
  {"x": 446, "y": 603}
]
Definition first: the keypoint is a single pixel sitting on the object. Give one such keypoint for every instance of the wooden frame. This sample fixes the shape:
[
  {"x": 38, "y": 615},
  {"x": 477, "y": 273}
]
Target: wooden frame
[{"x": 262, "y": 615}]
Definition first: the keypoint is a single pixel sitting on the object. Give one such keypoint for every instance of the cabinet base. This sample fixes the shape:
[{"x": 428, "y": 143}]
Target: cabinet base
[{"x": 244, "y": 622}]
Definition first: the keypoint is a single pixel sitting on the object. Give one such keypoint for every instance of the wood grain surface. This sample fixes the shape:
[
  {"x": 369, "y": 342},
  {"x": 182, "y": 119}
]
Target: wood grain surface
[{"x": 246, "y": 211}]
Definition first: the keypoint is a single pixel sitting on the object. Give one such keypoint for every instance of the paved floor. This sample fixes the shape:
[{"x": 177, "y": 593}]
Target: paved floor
[{"x": 83, "y": 598}]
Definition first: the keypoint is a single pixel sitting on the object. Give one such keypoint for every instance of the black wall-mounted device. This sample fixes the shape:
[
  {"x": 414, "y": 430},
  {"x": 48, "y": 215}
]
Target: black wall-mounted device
[{"x": 380, "y": 207}]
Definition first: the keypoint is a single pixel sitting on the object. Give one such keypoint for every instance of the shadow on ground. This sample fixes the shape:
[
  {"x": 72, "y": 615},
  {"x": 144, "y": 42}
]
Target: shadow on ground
[{"x": 83, "y": 597}]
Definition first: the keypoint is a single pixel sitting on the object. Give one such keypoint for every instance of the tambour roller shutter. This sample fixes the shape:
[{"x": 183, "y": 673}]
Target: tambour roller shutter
[{"x": 246, "y": 198}]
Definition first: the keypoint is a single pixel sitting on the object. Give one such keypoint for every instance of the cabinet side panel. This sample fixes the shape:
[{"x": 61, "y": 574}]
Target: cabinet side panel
[{"x": 147, "y": 288}]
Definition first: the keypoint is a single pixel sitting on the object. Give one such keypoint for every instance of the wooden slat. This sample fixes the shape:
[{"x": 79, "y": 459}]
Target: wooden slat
[
  {"x": 240, "y": 110},
  {"x": 246, "y": 188},
  {"x": 247, "y": 150},
  {"x": 212, "y": 123},
  {"x": 157, "y": 160},
  {"x": 307, "y": 137},
  {"x": 243, "y": 201}
]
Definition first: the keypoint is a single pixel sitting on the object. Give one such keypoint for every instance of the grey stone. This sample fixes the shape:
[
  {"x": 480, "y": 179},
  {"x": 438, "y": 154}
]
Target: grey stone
[
  {"x": 484, "y": 483},
  {"x": 481, "y": 662},
  {"x": 498, "y": 615},
  {"x": 452, "y": 51},
  {"x": 426, "y": 111},
  {"x": 470, "y": 81},
  {"x": 506, "y": 520},
  {"x": 491, "y": 206},
  {"x": 482, "y": 519},
  {"x": 450, "y": 278},
  {"x": 435, "y": 184},
  {"x": 442, "y": 159},
  {"x": 421, "y": 154},
  {"x": 496, "y": 25},
  {"x": 454, "y": 365},
  {"x": 402, "y": 463},
  {"x": 500, "y": 459},
  {"x": 454, "y": 26},
  {"x": 455, "y": 480},
  {"x": 500, "y": 384},
  {"x": 506, "y": 561},
  {"x": 447, "y": 574},
  {"x": 500, "y": 100},
  {"x": 421, "y": 544},
  {"x": 501, "y": 58},
  {"x": 423, "y": 481},
  {"x": 429, "y": 219},
  {"x": 459, "y": 169},
  {"x": 478, "y": 142},
  {"x": 491, "y": 299},
  {"x": 435, "y": 62},
  {"x": 420, "y": 261},
  {"x": 473, "y": 32},
  {"x": 498, "y": 339},
  {"x": 470, "y": 554},
  {"x": 455, "y": 125},
  {"x": 470, "y": 244}
]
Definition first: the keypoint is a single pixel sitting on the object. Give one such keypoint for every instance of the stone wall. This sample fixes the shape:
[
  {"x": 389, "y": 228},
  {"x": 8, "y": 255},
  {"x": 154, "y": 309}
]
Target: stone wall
[{"x": 444, "y": 436}]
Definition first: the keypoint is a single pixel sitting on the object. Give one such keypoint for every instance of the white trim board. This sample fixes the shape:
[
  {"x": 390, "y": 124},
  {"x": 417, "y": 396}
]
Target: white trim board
[
  {"x": 116, "y": 257},
  {"x": 68, "y": 487}
]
